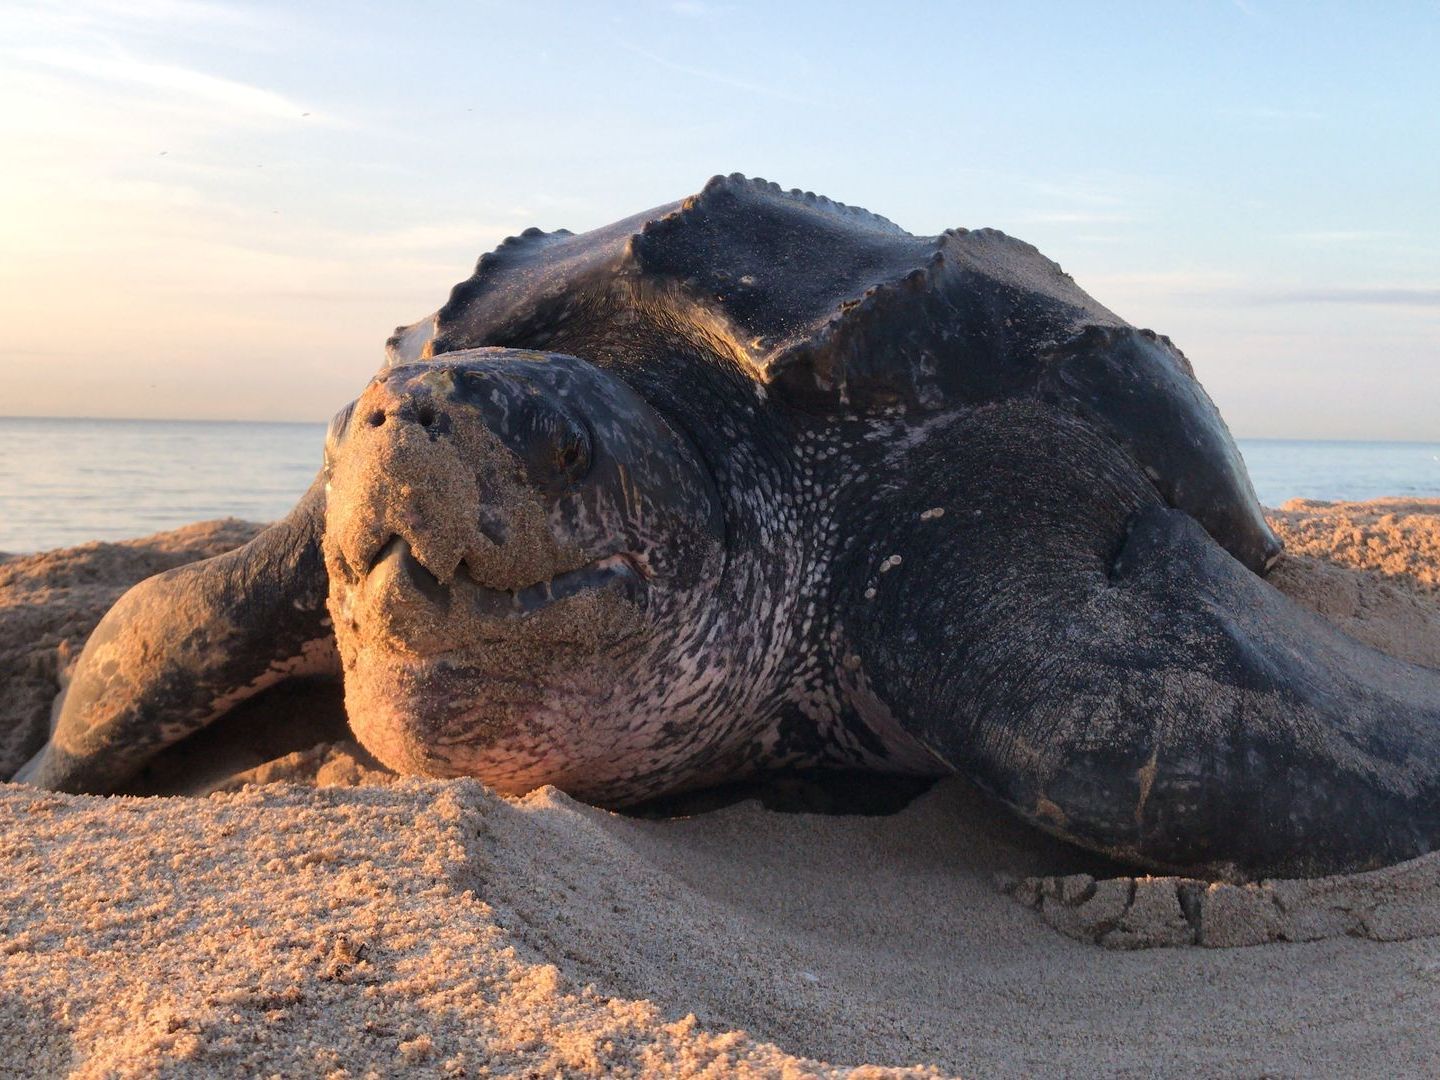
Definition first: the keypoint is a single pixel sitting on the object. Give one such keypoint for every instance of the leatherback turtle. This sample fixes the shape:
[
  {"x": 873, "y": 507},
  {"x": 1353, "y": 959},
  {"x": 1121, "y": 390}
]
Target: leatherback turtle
[{"x": 758, "y": 479}]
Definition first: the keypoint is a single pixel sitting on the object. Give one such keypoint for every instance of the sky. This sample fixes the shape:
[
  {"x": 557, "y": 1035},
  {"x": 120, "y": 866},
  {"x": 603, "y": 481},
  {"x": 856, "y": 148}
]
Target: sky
[{"x": 221, "y": 210}]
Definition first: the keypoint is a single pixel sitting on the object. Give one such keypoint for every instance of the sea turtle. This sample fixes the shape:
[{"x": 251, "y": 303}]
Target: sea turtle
[{"x": 758, "y": 479}]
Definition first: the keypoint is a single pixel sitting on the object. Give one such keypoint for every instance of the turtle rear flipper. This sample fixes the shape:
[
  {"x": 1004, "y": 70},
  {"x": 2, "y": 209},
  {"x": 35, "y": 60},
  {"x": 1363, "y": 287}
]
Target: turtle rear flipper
[
  {"x": 1102, "y": 665},
  {"x": 181, "y": 649}
]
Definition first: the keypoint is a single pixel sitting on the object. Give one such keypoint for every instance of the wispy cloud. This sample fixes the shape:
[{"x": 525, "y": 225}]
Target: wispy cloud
[
  {"x": 1233, "y": 289},
  {"x": 108, "y": 19},
  {"x": 1387, "y": 297},
  {"x": 473, "y": 236},
  {"x": 1339, "y": 237},
  {"x": 717, "y": 77},
  {"x": 1274, "y": 114},
  {"x": 225, "y": 96},
  {"x": 1081, "y": 201},
  {"x": 1083, "y": 190},
  {"x": 1072, "y": 217},
  {"x": 168, "y": 12},
  {"x": 1190, "y": 283}
]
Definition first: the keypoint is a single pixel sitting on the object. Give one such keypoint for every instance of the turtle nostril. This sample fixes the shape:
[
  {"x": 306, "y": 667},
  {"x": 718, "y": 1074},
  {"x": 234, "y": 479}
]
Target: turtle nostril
[
  {"x": 426, "y": 416},
  {"x": 377, "y": 418}
]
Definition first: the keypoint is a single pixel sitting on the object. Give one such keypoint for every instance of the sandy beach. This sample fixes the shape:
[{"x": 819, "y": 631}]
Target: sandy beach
[{"x": 300, "y": 912}]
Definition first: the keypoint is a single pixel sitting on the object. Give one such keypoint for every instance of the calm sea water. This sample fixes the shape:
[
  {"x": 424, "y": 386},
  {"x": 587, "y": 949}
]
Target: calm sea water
[{"x": 63, "y": 482}]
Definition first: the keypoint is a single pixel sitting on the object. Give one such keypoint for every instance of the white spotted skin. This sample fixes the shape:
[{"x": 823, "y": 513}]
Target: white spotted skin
[{"x": 849, "y": 494}]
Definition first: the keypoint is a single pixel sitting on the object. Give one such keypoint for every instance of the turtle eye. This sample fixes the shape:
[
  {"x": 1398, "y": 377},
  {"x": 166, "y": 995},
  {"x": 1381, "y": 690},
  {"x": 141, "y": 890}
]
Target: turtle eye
[
  {"x": 572, "y": 456},
  {"x": 559, "y": 449},
  {"x": 571, "y": 451}
]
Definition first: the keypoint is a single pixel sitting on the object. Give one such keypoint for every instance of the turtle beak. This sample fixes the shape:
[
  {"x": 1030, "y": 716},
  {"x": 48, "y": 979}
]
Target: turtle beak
[{"x": 396, "y": 568}]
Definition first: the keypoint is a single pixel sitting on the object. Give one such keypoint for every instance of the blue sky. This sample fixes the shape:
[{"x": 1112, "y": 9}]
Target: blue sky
[{"x": 221, "y": 210}]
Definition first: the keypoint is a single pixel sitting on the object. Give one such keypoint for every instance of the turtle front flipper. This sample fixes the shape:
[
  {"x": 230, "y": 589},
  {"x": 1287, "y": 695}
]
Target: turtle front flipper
[
  {"x": 183, "y": 648},
  {"x": 1099, "y": 663}
]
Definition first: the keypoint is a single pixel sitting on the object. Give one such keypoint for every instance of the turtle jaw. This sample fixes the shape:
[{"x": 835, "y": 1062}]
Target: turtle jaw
[
  {"x": 471, "y": 686},
  {"x": 396, "y": 571}
]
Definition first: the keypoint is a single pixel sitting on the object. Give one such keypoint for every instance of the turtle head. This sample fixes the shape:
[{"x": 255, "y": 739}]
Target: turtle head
[{"x": 511, "y": 539}]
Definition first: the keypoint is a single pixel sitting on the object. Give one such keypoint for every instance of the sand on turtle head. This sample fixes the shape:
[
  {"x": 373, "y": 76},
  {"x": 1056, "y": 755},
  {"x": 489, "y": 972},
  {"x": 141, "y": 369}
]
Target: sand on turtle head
[{"x": 438, "y": 494}]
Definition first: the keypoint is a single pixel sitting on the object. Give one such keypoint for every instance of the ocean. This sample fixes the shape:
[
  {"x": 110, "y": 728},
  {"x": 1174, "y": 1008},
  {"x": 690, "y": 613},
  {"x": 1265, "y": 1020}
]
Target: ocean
[{"x": 63, "y": 482}]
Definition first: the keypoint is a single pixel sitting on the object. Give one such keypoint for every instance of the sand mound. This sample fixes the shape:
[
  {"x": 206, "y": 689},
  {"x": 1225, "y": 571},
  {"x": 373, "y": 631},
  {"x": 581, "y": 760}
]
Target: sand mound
[
  {"x": 297, "y": 933},
  {"x": 436, "y": 929},
  {"x": 1396, "y": 539},
  {"x": 411, "y": 928}
]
